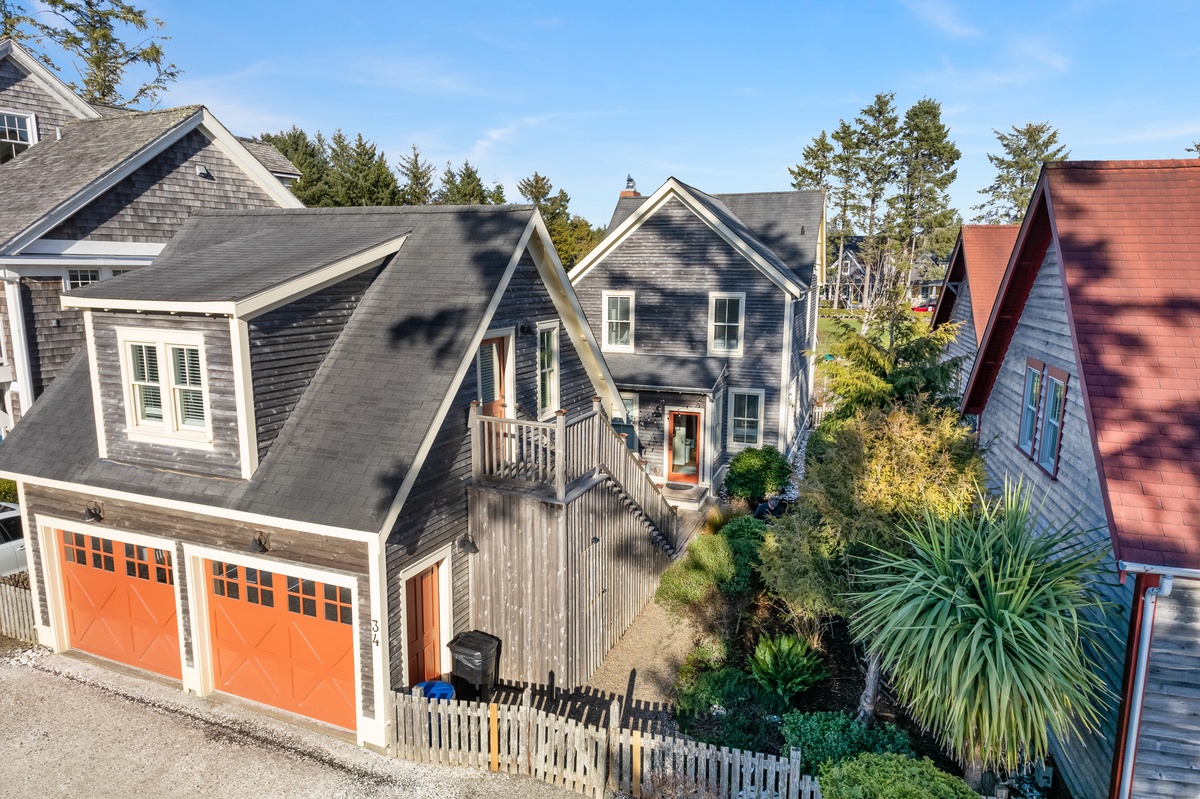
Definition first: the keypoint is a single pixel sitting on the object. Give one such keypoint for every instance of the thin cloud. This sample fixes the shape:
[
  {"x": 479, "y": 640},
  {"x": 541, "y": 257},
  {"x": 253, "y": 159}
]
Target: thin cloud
[
  {"x": 942, "y": 15},
  {"x": 1155, "y": 133}
]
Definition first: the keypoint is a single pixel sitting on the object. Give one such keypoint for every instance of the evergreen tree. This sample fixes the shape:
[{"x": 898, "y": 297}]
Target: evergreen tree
[
  {"x": 16, "y": 24},
  {"x": 845, "y": 176},
  {"x": 89, "y": 33},
  {"x": 878, "y": 130},
  {"x": 813, "y": 172},
  {"x": 1025, "y": 149},
  {"x": 925, "y": 170},
  {"x": 311, "y": 157},
  {"x": 1195, "y": 148},
  {"x": 465, "y": 187},
  {"x": 359, "y": 174},
  {"x": 573, "y": 236},
  {"x": 417, "y": 177}
]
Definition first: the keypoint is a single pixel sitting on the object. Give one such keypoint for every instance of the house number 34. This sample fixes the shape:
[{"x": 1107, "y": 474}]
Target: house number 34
[{"x": 375, "y": 631}]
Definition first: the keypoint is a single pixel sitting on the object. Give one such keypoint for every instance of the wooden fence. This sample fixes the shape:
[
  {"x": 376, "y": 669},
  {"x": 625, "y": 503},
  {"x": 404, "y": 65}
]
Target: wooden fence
[
  {"x": 16, "y": 613},
  {"x": 519, "y": 739}
]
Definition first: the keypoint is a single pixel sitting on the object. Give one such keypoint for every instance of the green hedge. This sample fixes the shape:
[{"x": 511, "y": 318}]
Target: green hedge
[
  {"x": 872, "y": 776},
  {"x": 755, "y": 473},
  {"x": 8, "y": 491},
  {"x": 826, "y": 738}
]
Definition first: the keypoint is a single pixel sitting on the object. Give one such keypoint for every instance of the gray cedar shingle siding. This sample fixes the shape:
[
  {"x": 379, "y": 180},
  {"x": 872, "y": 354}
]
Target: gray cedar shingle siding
[
  {"x": 224, "y": 460},
  {"x": 155, "y": 201},
  {"x": 435, "y": 513},
  {"x": 672, "y": 262},
  {"x": 653, "y": 432},
  {"x": 19, "y": 92},
  {"x": 289, "y": 343},
  {"x": 1074, "y": 498},
  {"x": 1168, "y": 754},
  {"x": 54, "y": 334},
  {"x": 965, "y": 344}
]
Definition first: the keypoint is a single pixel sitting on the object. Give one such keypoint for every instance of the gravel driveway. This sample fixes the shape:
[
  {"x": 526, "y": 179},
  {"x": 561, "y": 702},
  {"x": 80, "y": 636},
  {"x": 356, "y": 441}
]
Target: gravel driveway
[{"x": 75, "y": 729}]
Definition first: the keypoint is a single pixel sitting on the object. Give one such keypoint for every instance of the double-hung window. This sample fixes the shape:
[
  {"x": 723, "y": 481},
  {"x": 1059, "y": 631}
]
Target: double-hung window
[
  {"x": 16, "y": 135},
  {"x": 618, "y": 321},
  {"x": 1043, "y": 406},
  {"x": 547, "y": 369},
  {"x": 745, "y": 419},
  {"x": 165, "y": 387},
  {"x": 726, "y": 323}
]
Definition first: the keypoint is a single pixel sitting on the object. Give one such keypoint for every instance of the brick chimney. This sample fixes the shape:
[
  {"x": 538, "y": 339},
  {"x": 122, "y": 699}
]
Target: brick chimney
[{"x": 630, "y": 188}]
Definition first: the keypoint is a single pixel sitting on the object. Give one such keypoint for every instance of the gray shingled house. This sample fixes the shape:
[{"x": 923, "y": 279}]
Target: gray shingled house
[
  {"x": 91, "y": 192},
  {"x": 1087, "y": 387},
  {"x": 705, "y": 307},
  {"x": 307, "y": 447}
]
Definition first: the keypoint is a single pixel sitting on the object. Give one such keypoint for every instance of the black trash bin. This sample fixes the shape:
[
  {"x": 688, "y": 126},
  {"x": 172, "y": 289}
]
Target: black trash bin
[{"x": 476, "y": 664}]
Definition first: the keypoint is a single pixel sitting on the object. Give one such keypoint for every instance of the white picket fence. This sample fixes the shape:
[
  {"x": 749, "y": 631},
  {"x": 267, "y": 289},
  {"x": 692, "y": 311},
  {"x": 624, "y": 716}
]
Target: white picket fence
[
  {"x": 16, "y": 613},
  {"x": 520, "y": 739}
]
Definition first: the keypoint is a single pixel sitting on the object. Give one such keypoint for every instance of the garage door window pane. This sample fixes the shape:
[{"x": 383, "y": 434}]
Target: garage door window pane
[
  {"x": 302, "y": 596},
  {"x": 163, "y": 572},
  {"x": 102, "y": 554}
]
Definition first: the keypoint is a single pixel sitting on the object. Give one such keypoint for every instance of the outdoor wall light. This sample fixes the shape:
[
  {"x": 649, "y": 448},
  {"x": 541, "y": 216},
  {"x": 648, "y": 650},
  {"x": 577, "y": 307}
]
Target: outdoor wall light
[
  {"x": 467, "y": 544},
  {"x": 93, "y": 511},
  {"x": 260, "y": 543}
]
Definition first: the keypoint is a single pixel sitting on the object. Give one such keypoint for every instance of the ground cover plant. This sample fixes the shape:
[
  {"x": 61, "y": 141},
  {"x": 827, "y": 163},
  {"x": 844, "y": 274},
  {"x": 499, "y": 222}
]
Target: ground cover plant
[
  {"x": 825, "y": 738},
  {"x": 889, "y": 776}
]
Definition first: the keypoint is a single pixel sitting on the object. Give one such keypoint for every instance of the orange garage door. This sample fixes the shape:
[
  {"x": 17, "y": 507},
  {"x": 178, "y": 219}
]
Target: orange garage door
[
  {"x": 282, "y": 641},
  {"x": 120, "y": 601}
]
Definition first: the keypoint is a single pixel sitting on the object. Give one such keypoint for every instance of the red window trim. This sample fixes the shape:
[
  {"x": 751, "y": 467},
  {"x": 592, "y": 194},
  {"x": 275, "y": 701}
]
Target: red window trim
[{"x": 1048, "y": 372}]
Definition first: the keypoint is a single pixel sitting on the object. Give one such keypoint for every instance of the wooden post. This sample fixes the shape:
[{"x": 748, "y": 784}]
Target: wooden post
[
  {"x": 614, "y": 729},
  {"x": 794, "y": 774},
  {"x": 476, "y": 449},
  {"x": 494, "y": 735},
  {"x": 560, "y": 454},
  {"x": 596, "y": 420}
]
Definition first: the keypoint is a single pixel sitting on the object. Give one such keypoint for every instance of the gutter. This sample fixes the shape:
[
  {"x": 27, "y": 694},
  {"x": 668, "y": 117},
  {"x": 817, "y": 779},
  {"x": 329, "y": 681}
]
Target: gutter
[{"x": 1142, "y": 667}]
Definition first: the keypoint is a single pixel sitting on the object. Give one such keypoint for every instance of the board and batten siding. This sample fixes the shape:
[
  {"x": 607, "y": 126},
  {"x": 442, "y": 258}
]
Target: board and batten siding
[
  {"x": 287, "y": 547},
  {"x": 965, "y": 344},
  {"x": 20, "y": 92},
  {"x": 672, "y": 262},
  {"x": 153, "y": 203},
  {"x": 1074, "y": 498},
  {"x": 435, "y": 512},
  {"x": 289, "y": 343},
  {"x": 1168, "y": 754},
  {"x": 224, "y": 458}
]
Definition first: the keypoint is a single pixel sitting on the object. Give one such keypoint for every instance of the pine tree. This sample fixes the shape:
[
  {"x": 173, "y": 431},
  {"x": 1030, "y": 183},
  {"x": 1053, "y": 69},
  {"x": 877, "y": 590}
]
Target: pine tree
[
  {"x": 359, "y": 174},
  {"x": 417, "y": 177},
  {"x": 465, "y": 187},
  {"x": 1195, "y": 148},
  {"x": 89, "y": 32},
  {"x": 845, "y": 176},
  {"x": 573, "y": 236},
  {"x": 921, "y": 204},
  {"x": 311, "y": 157},
  {"x": 878, "y": 129},
  {"x": 1017, "y": 169},
  {"x": 15, "y": 22},
  {"x": 813, "y": 172}
]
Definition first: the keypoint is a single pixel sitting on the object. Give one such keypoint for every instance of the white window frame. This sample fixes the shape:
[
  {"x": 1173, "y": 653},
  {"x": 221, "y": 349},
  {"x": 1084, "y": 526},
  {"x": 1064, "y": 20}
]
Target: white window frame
[
  {"x": 171, "y": 430},
  {"x": 1031, "y": 405},
  {"x": 738, "y": 446},
  {"x": 548, "y": 406},
  {"x": 105, "y": 272},
  {"x": 712, "y": 328},
  {"x": 30, "y": 118},
  {"x": 631, "y": 416},
  {"x": 605, "y": 345}
]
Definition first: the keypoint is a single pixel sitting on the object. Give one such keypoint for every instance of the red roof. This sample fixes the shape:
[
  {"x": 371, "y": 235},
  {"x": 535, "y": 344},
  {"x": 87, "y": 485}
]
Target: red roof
[
  {"x": 1128, "y": 237},
  {"x": 980, "y": 256}
]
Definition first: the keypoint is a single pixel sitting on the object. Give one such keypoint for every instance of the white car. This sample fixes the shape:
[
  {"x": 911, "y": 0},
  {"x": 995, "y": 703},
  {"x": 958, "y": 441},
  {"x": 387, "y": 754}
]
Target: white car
[{"x": 12, "y": 540}]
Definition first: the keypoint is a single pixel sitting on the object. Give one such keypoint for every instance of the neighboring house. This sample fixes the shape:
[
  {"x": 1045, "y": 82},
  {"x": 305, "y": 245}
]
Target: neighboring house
[
  {"x": 306, "y": 447},
  {"x": 923, "y": 289},
  {"x": 91, "y": 192},
  {"x": 1087, "y": 386},
  {"x": 972, "y": 281},
  {"x": 705, "y": 307},
  {"x": 846, "y": 277}
]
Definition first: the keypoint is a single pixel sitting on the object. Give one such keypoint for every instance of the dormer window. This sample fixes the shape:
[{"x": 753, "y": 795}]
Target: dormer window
[
  {"x": 16, "y": 135},
  {"x": 165, "y": 389}
]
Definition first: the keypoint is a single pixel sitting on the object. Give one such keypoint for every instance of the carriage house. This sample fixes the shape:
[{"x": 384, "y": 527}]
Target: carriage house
[
  {"x": 1087, "y": 387},
  {"x": 306, "y": 447},
  {"x": 705, "y": 307}
]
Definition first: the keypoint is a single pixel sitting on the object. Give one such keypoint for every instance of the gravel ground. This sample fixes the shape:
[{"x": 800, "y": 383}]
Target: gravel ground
[
  {"x": 649, "y": 654},
  {"x": 76, "y": 729}
]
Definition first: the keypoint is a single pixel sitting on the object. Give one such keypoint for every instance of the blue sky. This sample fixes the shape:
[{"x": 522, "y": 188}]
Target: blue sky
[{"x": 721, "y": 95}]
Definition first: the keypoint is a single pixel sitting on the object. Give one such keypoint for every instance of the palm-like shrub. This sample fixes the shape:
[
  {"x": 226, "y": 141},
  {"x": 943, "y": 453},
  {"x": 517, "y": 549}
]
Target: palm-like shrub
[
  {"x": 786, "y": 666},
  {"x": 984, "y": 628}
]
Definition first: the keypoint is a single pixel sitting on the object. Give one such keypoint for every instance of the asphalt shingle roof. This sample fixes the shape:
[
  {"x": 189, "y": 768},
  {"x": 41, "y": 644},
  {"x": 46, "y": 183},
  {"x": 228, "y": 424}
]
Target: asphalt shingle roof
[
  {"x": 770, "y": 222},
  {"x": 47, "y": 176},
  {"x": 270, "y": 157},
  {"x": 980, "y": 258},
  {"x": 354, "y": 435},
  {"x": 671, "y": 372},
  {"x": 206, "y": 261}
]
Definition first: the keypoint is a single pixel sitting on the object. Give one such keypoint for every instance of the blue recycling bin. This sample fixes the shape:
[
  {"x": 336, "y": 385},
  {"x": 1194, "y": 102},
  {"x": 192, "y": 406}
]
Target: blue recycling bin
[{"x": 436, "y": 689}]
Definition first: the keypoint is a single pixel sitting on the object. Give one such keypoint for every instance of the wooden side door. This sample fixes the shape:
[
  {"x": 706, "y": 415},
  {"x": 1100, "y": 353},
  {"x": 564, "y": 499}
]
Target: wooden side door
[{"x": 422, "y": 598}]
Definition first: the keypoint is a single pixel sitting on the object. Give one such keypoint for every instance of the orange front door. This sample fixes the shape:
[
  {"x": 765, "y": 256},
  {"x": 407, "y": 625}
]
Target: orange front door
[
  {"x": 683, "y": 447},
  {"x": 492, "y": 380},
  {"x": 424, "y": 627},
  {"x": 283, "y": 641},
  {"x": 120, "y": 602}
]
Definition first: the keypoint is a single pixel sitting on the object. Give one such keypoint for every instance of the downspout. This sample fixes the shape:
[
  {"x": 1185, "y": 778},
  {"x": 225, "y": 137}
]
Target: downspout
[
  {"x": 1138, "y": 693},
  {"x": 20, "y": 344}
]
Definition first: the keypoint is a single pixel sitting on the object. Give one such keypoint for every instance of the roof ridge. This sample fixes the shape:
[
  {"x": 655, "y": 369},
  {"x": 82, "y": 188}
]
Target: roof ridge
[
  {"x": 365, "y": 209},
  {"x": 191, "y": 109},
  {"x": 763, "y": 193},
  {"x": 1162, "y": 163}
]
